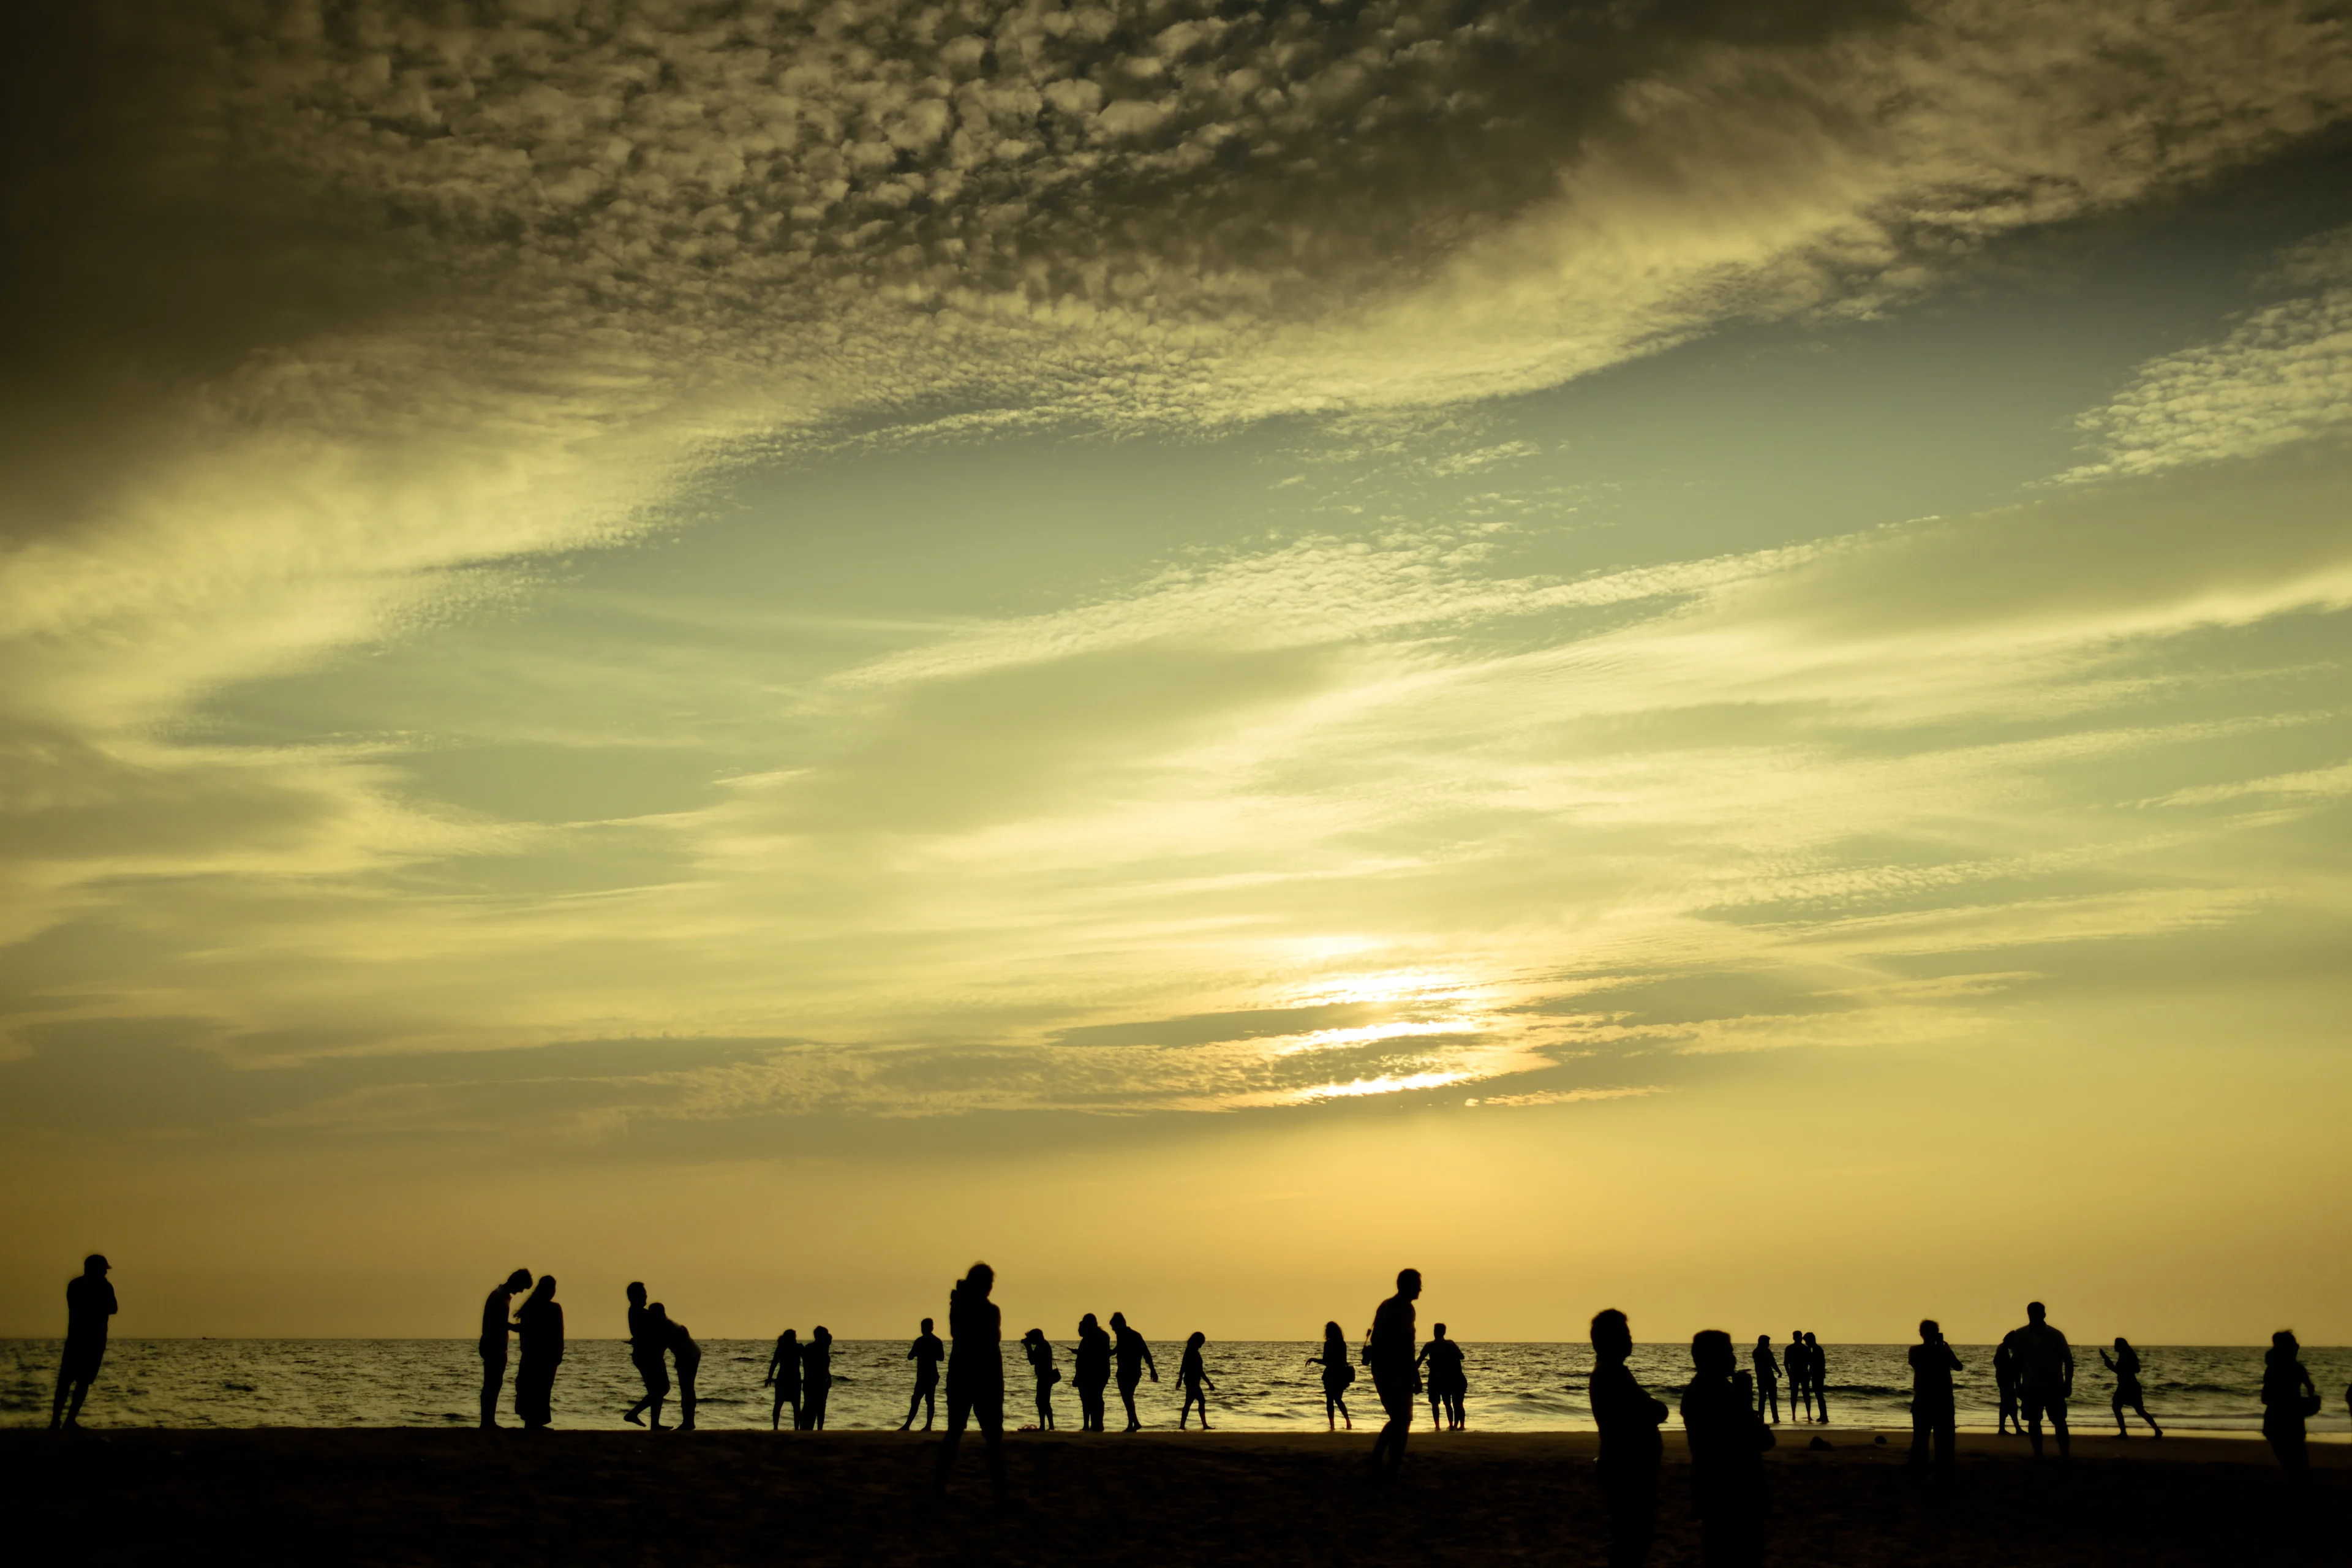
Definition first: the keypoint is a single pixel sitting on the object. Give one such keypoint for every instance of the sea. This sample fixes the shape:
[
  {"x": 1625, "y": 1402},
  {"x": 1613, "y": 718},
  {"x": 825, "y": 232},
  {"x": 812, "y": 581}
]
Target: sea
[{"x": 1260, "y": 1385}]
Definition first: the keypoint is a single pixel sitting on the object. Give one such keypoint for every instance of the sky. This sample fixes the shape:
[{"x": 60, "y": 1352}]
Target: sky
[{"x": 1679, "y": 654}]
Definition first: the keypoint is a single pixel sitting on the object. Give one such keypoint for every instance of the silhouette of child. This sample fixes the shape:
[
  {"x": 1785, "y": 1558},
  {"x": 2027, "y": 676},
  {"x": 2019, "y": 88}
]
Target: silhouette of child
[{"x": 1192, "y": 1377}]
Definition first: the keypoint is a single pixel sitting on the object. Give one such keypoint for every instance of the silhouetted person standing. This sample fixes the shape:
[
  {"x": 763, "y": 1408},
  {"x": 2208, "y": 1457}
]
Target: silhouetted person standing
[
  {"x": 645, "y": 1348},
  {"x": 1801, "y": 1381},
  {"x": 1935, "y": 1420},
  {"x": 495, "y": 1329},
  {"x": 1728, "y": 1439},
  {"x": 89, "y": 1302},
  {"x": 926, "y": 1352},
  {"x": 1040, "y": 1352},
  {"x": 1389, "y": 1353},
  {"x": 1817, "y": 1374},
  {"x": 1630, "y": 1450},
  {"x": 2289, "y": 1398},
  {"x": 1133, "y": 1355},
  {"x": 975, "y": 1376},
  {"x": 539, "y": 1325},
  {"x": 2045, "y": 1377},
  {"x": 1090, "y": 1371},
  {"x": 816, "y": 1378},
  {"x": 2127, "y": 1394},
  {"x": 1339, "y": 1372},
  {"x": 1767, "y": 1377},
  {"x": 689, "y": 1357},
  {"x": 784, "y": 1372},
  {"x": 2004, "y": 1379},
  {"x": 1447, "y": 1382},
  {"x": 1191, "y": 1378}
]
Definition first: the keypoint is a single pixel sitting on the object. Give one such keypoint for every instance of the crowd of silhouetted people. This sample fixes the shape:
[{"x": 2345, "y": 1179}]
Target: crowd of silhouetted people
[{"x": 1727, "y": 1414}]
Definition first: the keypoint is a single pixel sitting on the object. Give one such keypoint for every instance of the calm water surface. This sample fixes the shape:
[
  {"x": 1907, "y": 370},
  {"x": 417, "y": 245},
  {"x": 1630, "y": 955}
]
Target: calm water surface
[{"x": 1260, "y": 1386}]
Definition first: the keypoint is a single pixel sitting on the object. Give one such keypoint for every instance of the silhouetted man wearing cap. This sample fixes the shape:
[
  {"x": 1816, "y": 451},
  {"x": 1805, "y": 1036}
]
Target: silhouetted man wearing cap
[
  {"x": 495, "y": 1326},
  {"x": 89, "y": 1302}
]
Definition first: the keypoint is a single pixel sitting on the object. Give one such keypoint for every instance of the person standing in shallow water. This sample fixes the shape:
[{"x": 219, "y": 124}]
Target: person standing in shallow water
[
  {"x": 975, "y": 1376},
  {"x": 2127, "y": 1394},
  {"x": 90, "y": 1303},
  {"x": 1728, "y": 1439},
  {"x": 925, "y": 1353},
  {"x": 1191, "y": 1378},
  {"x": 784, "y": 1372},
  {"x": 1933, "y": 1418},
  {"x": 2004, "y": 1380},
  {"x": 1090, "y": 1371},
  {"x": 2289, "y": 1398},
  {"x": 645, "y": 1348},
  {"x": 1767, "y": 1377},
  {"x": 1389, "y": 1353},
  {"x": 1134, "y": 1354},
  {"x": 495, "y": 1329},
  {"x": 689, "y": 1357},
  {"x": 539, "y": 1325},
  {"x": 1339, "y": 1372},
  {"x": 816, "y": 1378},
  {"x": 1630, "y": 1450},
  {"x": 1040, "y": 1352},
  {"x": 2045, "y": 1377}
]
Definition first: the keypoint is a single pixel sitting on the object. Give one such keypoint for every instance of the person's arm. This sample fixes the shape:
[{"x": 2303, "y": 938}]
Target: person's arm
[
  {"x": 2067, "y": 1352},
  {"x": 2105, "y": 1362},
  {"x": 1147, "y": 1358}
]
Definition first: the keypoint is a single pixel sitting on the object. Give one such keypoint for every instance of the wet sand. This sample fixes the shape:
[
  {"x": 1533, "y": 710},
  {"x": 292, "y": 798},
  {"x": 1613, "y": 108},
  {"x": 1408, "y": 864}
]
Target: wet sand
[{"x": 582, "y": 1498}]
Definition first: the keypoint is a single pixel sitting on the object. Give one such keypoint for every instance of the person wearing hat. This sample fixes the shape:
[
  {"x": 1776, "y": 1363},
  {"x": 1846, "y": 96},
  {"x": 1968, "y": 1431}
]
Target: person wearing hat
[{"x": 90, "y": 1301}]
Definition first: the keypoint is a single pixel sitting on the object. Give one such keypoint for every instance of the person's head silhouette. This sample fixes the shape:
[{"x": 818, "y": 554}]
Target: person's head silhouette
[
  {"x": 518, "y": 1280},
  {"x": 1409, "y": 1284},
  {"x": 1931, "y": 1331},
  {"x": 657, "y": 1313},
  {"x": 94, "y": 1265},
  {"x": 637, "y": 1292},
  {"x": 1197, "y": 1341},
  {"x": 1119, "y": 1320},
  {"x": 1087, "y": 1324},
  {"x": 1711, "y": 1352},
  {"x": 2284, "y": 1343},
  {"x": 1033, "y": 1337},
  {"x": 544, "y": 1291},
  {"x": 1612, "y": 1337},
  {"x": 927, "y": 1325},
  {"x": 2122, "y": 1343},
  {"x": 2035, "y": 1311},
  {"x": 979, "y": 1278},
  {"x": 1438, "y": 1331},
  {"x": 791, "y": 1336},
  {"x": 1763, "y": 1342},
  {"x": 820, "y": 1335}
]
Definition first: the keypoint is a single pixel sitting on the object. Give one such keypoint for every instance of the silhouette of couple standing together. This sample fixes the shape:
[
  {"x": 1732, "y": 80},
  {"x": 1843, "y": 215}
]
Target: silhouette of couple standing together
[
  {"x": 653, "y": 1334},
  {"x": 538, "y": 1323},
  {"x": 801, "y": 1375}
]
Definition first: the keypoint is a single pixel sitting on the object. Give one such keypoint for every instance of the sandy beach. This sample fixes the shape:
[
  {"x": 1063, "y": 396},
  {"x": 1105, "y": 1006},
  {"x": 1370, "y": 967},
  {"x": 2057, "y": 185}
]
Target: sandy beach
[{"x": 399, "y": 1496}]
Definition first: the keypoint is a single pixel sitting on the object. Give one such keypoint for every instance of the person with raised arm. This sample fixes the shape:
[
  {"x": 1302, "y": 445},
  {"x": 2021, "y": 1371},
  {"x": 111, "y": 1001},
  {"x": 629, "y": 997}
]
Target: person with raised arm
[
  {"x": 1134, "y": 1356},
  {"x": 926, "y": 1352},
  {"x": 784, "y": 1374},
  {"x": 2045, "y": 1377},
  {"x": 1631, "y": 1449},
  {"x": 2127, "y": 1394},
  {"x": 1390, "y": 1354},
  {"x": 90, "y": 1303},
  {"x": 975, "y": 1376},
  {"x": 1728, "y": 1439},
  {"x": 495, "y": 1326},
  {"x": 1933, "y": 1412},
  {"x": 538, "y": 1328},
  {"x": 647, "y": 1348},
  {"x": 1339, "y": 1372},
  {"x": 1191, "y": 1378}
]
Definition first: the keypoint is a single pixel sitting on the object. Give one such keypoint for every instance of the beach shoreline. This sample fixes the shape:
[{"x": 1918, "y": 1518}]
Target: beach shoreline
[{"x": 405, "y": 1495}]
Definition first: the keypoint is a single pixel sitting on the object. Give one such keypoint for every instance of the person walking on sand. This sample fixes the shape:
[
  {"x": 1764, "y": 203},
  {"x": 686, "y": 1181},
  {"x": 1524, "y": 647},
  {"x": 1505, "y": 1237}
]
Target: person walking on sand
[
  {"x": 926, "y": 1352},
  {"x": 975, "y": 1376},
  {"x": 1728, "y": 1439},
  {"x": 1389, "y": 1353},
  {"x": 539, "y": 1326},
  {"x": 1933, "y": 1416},
  {"x": 784, "y": 1373},
  {"x": 1800, "y": 1383},
  {"x": 1134, "y": 1355},
  {"x": 2045, "y": 1377},
  {"x": 2289, "y": 1399},
  {"x": 1192, "y": 1377},
  {"x": 89, "y": 1302},
  {"x": 1040, "y": 1351},
  {"x": 2127, "y": 1394},
  {"x": 1631, "y": 1449},
  {"x": 1817, "y": 1374},
  {"x": 645, "y": 1348},
  {"x": 1090, "y": 1371},
  {"x": 816, "y": 1378},
  {"x": 2004, "y": 1380},
  {"x": 1767, "y": 1376},
  {"x": 495, "y": 1326},
  {"x": 1339, "y": 1372}
]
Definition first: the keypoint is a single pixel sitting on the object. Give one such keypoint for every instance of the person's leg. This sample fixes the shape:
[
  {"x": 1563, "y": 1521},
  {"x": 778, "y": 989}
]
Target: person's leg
[
  {"x": 959, "y": 1412},
  {"x": 1127, "y": 1397},
  {"x": 1947, "y": 1442},
  {"x": 989, "y": 1411},
  {"x": 2058, "y": 1425},
  {"x": 2142, "y": 1408},
  {"x": 1631, "y": 1495},
  {"x": 494, "y": 1375},
  {"x": 931, "y": 1402},
  {"x": 2030, "y": 1411}
]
